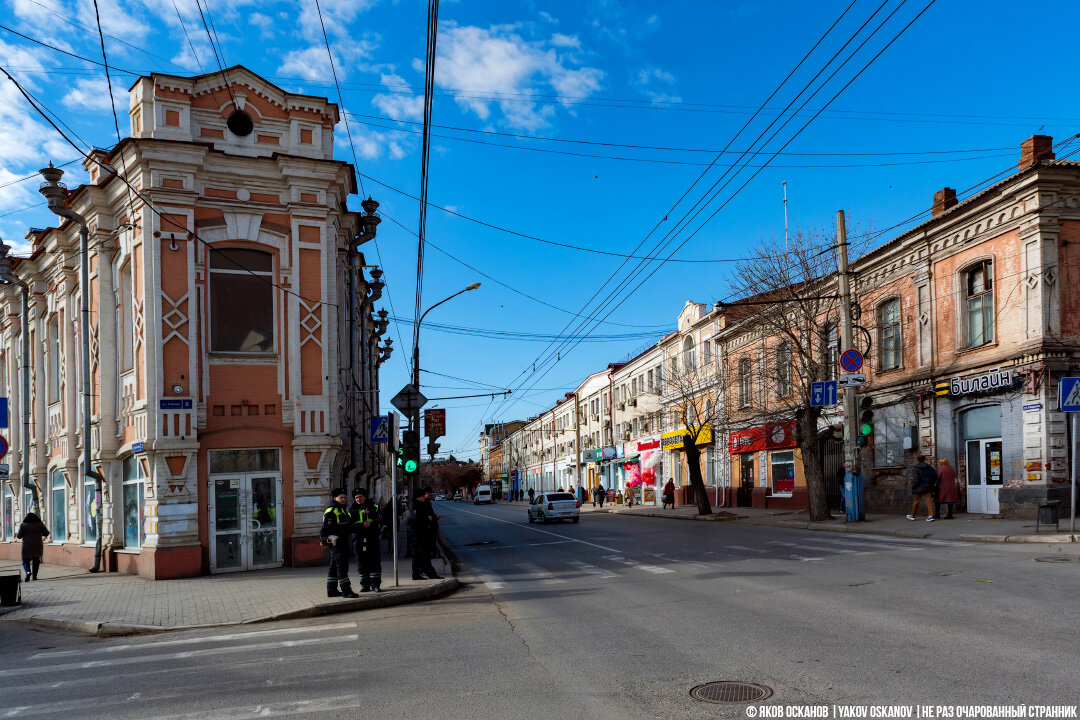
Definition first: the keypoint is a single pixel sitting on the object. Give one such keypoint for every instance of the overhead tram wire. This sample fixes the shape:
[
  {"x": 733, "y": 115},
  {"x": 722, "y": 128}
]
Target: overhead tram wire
[
  {"x": 761, "y": 107},
  {"x": 738, "y": 190},
  {"x": 341, "y": 99},
  {"x": 219, "y": 57},
  {"x": 191, "y": 45},
  {"x": 112, "y": 106},
  {"x": 425, "y": 158}
]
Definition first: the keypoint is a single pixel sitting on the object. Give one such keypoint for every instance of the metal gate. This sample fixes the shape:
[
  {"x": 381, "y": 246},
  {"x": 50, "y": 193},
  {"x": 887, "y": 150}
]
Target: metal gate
[{"x": 832, "y": 470}]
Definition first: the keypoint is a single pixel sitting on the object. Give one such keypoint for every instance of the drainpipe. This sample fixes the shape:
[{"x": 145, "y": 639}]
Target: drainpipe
[
  {"x": 24, "y": 404},
  {"x": 56, "y": 194}
]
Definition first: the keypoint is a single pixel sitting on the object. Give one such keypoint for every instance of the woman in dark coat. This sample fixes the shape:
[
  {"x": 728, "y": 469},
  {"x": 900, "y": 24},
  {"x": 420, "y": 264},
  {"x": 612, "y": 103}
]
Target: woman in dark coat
[
  {"x": 32, "y": 532},
  {"x": 948, "y": 493},
  {"x": 669, "y": 494}
]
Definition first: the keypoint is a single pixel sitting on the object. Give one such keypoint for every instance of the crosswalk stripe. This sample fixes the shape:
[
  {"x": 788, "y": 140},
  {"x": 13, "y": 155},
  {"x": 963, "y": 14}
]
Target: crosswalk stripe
[
  {"x": 492, "y": 582},
  {"x": 807, "y": 546},
  {"x": 591, "y": 569},
  {"x": 655, "y": 569},
  {"x": 748, "y": 549},
  {"x": 540, "y": 574}
]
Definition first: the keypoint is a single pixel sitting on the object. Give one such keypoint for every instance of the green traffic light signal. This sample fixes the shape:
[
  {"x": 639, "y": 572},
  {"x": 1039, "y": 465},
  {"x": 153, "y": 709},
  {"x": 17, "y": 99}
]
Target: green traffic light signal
[
  {"x": 867, "y": 429},
  {"x": 410, "y": 465}
]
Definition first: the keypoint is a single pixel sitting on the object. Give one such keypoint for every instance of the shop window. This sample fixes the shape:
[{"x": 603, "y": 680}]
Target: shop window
[
  {"x": 134, "y": 500},
  {"x": 58, "y": 506},
  {"x": 744, "y": 383},
  {"x": 979, "y": 304},
  {"x": 783, "y": 370},
  {"x": 782, "y": 469},
  {"x": 241, "y": 301},
  {"x": 888, "y": 318},
  {"x": 9, "y": 513}
]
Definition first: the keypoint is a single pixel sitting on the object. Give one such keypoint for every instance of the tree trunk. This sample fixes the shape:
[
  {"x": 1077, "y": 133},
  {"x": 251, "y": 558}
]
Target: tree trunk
[
  {"x": 693, "y": 463},
  {"x": 811, "y": 458}
]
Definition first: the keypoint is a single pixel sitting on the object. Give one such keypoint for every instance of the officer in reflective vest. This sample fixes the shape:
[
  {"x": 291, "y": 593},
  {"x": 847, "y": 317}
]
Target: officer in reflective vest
[
  {"x": 365, "y": 518},
  {"x": 336, "y": 532}
]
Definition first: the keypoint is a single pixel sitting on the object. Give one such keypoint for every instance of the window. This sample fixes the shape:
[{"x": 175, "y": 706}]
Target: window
[
  {"x": 633, "y": 387},
  {"x": 744, "y": 382},
  {"x": 91, "y": 511},
  {"x": 689, "y": 360},
  {"x": 125, "y": 310},
  {"x": 979, "y": 299},
  {"x": 889, "y": 430},
  {"x": 830, "y": 343},
  {"x": 134, "y": 502},
  {"x": 652, "y": 384},
  {"x": 674, "y": 367},
  {"x": 241, "y": 301},
  {"x": 889, "y": 333},
  {"x": 9, "y": 513},
  {"x": 782, "y": 469},
  {"x": 706, "y": 353},
  {"x": 783, "y": 370},
  {"x": 58, "y": 506},
  {"x": 674, "y": 419},
  {"x": 54, "y": 359}
]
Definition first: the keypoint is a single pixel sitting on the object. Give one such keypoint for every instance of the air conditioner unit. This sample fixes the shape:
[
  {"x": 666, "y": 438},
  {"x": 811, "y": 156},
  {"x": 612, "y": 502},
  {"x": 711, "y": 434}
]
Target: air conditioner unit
[
  {"x": 626, "y": 436},
  {"x": 633, "y": 402},
  {"x": 622, "y": 406},
  {"x": 596, "y": 418}
]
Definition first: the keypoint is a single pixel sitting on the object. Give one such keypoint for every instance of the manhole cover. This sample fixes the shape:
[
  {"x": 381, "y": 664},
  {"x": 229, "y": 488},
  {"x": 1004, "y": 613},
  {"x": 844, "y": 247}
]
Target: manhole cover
[
  {"x": 1058, "y": 558},
  {"x": 727, "y": 691}
]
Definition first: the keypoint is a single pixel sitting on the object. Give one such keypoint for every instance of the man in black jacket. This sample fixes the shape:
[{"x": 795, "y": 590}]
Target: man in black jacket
[
  {"x": 365, "y": 518},
  {"x": 421, "y": 536},
  {"x": 336, "y": 529},
  {"x": 923, "y": 485}
]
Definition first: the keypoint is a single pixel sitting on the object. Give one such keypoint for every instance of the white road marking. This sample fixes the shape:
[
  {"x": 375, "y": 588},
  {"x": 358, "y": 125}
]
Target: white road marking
[
  {"x": 324, "y": 706},
  {"x": 149, "y": 659},
  {"x": 807, "y": 546},
  {"x": 529, "y": 527},
  {"x": 195, "y": 641},
  {"x": 591, "y": 569},
  {"x": 747, "y": 549},
  {"x": 804, "y": 559},
  {"x": 541, "y": 574},
  {"x": 492, "y": 582},
  {"x": 654, "y": 569}
]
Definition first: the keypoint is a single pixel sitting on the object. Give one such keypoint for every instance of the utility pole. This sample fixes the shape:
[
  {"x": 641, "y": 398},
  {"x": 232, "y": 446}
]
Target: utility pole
[{"x": 847, "y": 341}]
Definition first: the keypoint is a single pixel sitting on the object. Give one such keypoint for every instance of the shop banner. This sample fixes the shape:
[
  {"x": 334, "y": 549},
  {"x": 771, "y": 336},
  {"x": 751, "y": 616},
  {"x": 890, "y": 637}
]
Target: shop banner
[
  {"x": 770, "y": 436},
  {"x": 607, "y": 452},
  {"x": 652, "y": 443},
  {"x": 677, "y": 438}
]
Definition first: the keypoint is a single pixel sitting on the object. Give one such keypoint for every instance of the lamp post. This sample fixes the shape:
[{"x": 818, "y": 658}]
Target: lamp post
[{"x": 414, "y": 421}]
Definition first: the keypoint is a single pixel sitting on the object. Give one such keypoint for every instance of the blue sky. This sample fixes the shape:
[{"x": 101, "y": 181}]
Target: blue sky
[{"x": 974, "y": 77}]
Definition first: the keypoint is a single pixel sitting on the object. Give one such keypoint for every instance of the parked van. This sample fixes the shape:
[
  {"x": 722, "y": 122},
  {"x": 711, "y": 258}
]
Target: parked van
[{"x": 483, "y": 495}]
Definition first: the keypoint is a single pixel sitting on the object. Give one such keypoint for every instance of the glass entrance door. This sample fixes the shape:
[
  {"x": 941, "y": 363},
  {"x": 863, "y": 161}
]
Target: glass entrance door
[
  {"x": 245, "y": 522},
  {"x": 984, "y": 476}
]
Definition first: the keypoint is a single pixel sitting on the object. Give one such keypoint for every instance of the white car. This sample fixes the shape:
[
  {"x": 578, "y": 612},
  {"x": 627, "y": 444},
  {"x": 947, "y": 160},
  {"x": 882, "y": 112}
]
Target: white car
[{"x": 546, "y": 507}]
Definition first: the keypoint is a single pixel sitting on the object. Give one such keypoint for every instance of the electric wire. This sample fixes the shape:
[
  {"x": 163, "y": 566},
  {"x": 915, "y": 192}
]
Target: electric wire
[{"x": 341, "y": 98}]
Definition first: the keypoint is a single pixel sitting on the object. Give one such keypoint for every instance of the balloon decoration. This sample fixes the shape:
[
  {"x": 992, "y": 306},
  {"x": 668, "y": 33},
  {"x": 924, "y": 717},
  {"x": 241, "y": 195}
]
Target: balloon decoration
[{"x": 649, "y": 460}]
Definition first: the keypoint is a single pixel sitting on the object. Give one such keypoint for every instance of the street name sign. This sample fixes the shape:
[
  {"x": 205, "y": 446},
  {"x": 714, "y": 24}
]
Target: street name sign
[
  {"x": 380, "y": 429},
  {"x": 823, "y": 394},
  {"x": 409, "y": 399},
  {"x": 851, "y": 360},
  {"x": 851, "y": 379},
  {"x": 1069, "y": 393}
]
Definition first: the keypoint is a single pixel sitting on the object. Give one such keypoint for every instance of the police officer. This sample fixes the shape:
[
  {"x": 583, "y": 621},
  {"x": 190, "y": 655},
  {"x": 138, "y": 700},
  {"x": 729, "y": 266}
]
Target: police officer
[
  {"x": 365, "y": 519},
  {"x": 336, "y": 529}
]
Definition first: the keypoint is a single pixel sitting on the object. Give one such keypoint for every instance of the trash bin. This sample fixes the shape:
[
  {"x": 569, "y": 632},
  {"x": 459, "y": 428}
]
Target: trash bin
[
  {"x": 1049, "y": 514},
  {"x": 10, "y": 589}
]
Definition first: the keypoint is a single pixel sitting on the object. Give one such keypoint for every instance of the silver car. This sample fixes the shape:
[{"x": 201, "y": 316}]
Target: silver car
[{"x": 546, "y": 507}]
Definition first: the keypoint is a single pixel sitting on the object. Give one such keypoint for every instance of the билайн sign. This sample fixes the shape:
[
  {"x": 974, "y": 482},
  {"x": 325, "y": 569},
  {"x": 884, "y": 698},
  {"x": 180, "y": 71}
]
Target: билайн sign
[{"x": 993, "y": 381}]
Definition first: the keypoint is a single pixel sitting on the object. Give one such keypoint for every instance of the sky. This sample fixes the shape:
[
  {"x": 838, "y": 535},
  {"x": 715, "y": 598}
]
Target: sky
[{"x": 580, "y": 123}]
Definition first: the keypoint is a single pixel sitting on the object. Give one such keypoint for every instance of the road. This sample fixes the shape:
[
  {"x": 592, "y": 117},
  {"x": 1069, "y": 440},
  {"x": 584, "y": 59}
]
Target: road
[{"x": 615, "y": 617}]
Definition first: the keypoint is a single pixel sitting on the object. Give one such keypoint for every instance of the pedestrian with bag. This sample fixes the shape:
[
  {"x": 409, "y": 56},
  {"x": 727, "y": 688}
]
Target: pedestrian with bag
[
  {"x": 948, "y": 493},
  {"x": 365, "y": 518},
  {"x": 669, "y": 494},
  {"x": 923, "y": 485},
  {"x": 335, "y": 532},
  {"x": 32, "y": 532}
]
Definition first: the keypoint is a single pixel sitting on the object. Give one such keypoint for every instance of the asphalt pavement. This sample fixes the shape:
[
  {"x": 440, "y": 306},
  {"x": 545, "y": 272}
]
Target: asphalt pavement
[{"x": 614, "y": 617}]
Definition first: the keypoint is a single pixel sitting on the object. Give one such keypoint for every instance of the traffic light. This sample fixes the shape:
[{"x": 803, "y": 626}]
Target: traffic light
[
  {"x": 400, "y": 457},
  {"x": 410, "y": 445},
  {"x": 866, "y": 421}
]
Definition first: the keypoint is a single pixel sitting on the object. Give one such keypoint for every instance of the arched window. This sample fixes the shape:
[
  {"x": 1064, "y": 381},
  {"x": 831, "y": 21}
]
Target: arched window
[
  {"x": 744, "y": 383},
  {"x": 688, "y": 355},
  {"x": 241, "y": 301},
  {"x": 783, "y": 370},
  {"x": 978, "y": 312},
  {"x": 888, "y": 317}
]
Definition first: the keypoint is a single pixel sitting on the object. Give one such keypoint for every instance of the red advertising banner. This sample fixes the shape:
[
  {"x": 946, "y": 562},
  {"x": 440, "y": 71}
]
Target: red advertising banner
[
  {"x": 435, "y": 422},
  {"x": 771, "y": 436}
]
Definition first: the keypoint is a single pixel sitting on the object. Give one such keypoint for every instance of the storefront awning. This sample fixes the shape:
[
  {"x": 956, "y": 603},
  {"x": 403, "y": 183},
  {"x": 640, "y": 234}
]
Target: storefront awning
[{"x": 677, "y": 438}]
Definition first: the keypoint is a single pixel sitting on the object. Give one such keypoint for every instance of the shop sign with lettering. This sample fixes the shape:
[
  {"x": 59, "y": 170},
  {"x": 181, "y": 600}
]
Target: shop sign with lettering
[{"x": 992, "y": 382}]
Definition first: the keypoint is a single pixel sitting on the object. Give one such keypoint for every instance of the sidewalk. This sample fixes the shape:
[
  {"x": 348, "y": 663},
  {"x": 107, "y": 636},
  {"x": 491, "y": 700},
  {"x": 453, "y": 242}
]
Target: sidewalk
[
  {"x": 119, "y": 604},
  {"x": 964, "y": 527}
]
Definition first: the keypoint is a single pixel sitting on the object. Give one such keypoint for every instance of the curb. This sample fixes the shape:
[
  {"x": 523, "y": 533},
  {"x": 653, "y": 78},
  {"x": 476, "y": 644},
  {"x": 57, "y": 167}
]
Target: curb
[
  {"x": 720, "y": 516},
  {"x": 807, "y": 525},
  {"x": 388, "y": 599}
]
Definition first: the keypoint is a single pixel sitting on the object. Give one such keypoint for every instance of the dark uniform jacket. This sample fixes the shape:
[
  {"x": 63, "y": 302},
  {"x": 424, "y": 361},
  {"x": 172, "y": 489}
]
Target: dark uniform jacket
[
  {"x": 336, "y": 521},
  {"x": 363, "y": 513}
]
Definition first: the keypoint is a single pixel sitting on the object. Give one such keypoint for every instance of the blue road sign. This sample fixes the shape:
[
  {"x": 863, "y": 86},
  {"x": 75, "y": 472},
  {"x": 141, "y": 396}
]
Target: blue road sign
[
  {"x": 380, "y": 429},
  {"x": 3, "y": 413},
  {"x": 823, "y": 394},
  {"x": 851, "y": 360},
  {"x": 1069, "y": 393}
]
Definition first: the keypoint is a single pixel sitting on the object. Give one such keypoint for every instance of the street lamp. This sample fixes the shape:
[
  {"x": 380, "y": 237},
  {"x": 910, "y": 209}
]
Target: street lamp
[{"x": 414, "y": 421}]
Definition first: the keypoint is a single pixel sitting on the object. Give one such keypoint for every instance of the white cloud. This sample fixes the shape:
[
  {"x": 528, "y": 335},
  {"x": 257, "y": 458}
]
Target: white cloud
[
  {"x": 264, "y": 23},
  {"x": 400, "y": 104},
  {"x": 116, "y": 18},
  {"x": 370, "y": 144},
  {"x": 658, "y": 85},
  {"x": 476, "y": 62},
  {"x": 569, "y": 41},
  {"x": 313, "y": 63},
  {"x": 92, "y": 95},
  {"x": 336, "y": 14}
]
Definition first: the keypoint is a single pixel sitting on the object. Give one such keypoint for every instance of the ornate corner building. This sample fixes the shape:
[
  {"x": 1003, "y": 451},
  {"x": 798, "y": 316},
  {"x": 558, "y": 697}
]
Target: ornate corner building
[{"x": 234, "y": 347}]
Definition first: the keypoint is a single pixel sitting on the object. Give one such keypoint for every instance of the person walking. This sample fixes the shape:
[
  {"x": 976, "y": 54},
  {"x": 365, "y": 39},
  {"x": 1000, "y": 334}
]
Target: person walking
[
  {"x": 601, "y": 494},
  {"x": 32, "y": 532},
  {"x": 335, "y": 532},
  {"x": 923, "y": 484},
  {"x": 433, "y": 522},
  {"x": 948, "y": 493},
  {"x": 532, "y": 494},
  {"x": 669, "y": 494},
  {"x": 420, "y": 537},
  {"x": 365, "y": 541}
]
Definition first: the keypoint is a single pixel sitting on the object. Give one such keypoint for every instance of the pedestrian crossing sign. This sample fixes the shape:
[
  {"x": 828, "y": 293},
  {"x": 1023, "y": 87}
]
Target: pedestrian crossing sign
[
  {"x": 380, "y": 429},
  {"x": 1069, "y": 393}
]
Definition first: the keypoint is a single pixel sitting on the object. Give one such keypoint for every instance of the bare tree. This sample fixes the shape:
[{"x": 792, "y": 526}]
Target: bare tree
[
  {"x": 783, "y": 335},
  {"x": 689, "y": 391}
]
